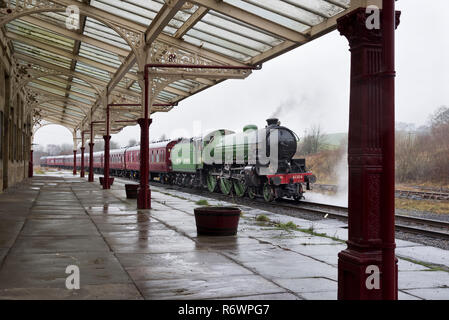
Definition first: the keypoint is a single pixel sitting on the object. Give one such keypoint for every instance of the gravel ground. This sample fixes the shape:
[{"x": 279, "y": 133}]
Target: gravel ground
[
  {"x": 261, "y": 204},
  {"x": 424, "y": 214}
]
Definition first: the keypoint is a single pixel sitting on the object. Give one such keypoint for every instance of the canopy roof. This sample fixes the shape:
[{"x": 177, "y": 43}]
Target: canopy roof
[{"x": 65, "y": 72}]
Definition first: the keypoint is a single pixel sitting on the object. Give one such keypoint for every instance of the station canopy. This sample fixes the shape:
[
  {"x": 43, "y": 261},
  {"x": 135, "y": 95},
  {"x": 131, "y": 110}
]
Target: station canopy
[{"x": 65, "y": 71}]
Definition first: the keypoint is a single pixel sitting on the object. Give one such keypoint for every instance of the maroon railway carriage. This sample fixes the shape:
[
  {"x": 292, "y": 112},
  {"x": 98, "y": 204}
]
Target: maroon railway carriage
[{"x": 160, "y": 160}]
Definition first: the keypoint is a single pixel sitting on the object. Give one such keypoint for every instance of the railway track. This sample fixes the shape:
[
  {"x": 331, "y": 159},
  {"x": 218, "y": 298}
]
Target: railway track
[
  {"x": 419, "y": 226},
  {"x": 429, "y": 227},
  {"x": 422, "y": 195},
  {"x": 425, "y": 193}
]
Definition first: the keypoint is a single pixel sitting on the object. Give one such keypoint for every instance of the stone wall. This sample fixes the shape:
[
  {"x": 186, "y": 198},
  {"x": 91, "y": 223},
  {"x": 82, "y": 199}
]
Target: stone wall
[{"x": 15, "y": 128}]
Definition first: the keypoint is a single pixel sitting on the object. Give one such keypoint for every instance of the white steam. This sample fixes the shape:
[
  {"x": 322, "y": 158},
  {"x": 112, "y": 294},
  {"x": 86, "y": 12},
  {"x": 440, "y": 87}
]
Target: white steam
[{"x": 341, "y": 197}]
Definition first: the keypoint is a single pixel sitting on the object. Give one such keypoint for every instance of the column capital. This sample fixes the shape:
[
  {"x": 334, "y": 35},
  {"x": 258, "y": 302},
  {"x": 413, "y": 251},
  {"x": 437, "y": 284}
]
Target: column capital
[
  {"x": 353, "y": 27},
  {"x": 141, "y": 122}
]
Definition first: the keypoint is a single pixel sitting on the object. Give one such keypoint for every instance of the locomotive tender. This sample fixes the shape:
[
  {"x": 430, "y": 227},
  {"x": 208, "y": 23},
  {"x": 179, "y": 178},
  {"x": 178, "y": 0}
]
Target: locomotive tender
[{"x": 253, "y": 162}]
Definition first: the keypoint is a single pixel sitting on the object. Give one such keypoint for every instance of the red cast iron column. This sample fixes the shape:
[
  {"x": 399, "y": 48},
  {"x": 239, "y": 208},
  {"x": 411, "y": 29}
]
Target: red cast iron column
[
  {"x": 82, "y": 155},
  {"x": 370, "y": 172},
  {"x": 106, "y": 184},
  {"x": 390, "y": 270},
  {"x": 74, "y": 162},
  {"x": 107, "y": 139},
  {"x": 30, "y": 165},
  {"x": 82, "y": 162},
  {"x": 91, "y": 162},
  {"x": 144, "y": 192},
  {"x": 91, "y": 154}
]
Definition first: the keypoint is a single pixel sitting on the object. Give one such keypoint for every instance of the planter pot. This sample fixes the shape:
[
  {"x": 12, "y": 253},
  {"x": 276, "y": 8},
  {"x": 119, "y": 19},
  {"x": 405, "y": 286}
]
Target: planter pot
[
  {"x": 111, "y": 181},
  {"x": 131, "y": 191},
  {"x": 217, "y": 221}
]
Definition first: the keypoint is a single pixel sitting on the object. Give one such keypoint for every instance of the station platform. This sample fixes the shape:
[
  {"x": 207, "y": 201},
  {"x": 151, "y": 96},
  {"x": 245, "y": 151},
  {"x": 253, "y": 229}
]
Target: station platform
[{"x": 55, "y": 220}]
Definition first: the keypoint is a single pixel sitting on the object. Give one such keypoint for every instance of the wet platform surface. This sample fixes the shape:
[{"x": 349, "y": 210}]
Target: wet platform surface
[{"x": 56, "y": 220}]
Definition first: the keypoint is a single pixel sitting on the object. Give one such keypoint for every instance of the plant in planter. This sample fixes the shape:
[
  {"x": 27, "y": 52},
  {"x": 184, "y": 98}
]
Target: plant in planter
[
  {"x": 111, "y": 181},
  {"x": 131, "y": 191},
  {"x": 217, "y": 221}
]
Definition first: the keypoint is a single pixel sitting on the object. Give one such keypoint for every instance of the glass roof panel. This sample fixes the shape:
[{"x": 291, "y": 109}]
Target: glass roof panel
[
  {"x": 83, "y": 90},
  {"x": 99, "y": 31},
  {"x": 79, "y": 81},
  {"x": 142, "y": 12},
  {"x": 33, "y": 32},
  {"x": 294, "y": 12},
  {"x": 85, "y": 101},
  {"x": 45, "y": 88},
  {"x": 41, "y": 54},
  {"x": 228, "y": 24},
  {"x": 92, "y": 72},
  {"x": 231, "y": 37},
  {"x": 322, "y": 7},
  {"x": 99, "y": 55},
  {"x": 58, "y": 18},
  {"x": 270, "y": 15},
  {"x": 215, "y": 48},
  {"x": 56, "y": 82}
]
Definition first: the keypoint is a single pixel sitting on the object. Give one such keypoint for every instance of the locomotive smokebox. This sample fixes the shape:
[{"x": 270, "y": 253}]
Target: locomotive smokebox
[{"x": 273, "y": 122}]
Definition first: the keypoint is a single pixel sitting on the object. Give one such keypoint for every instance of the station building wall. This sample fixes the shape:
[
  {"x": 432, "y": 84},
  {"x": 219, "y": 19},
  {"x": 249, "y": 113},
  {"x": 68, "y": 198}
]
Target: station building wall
[{"x": 15, "y": 128}]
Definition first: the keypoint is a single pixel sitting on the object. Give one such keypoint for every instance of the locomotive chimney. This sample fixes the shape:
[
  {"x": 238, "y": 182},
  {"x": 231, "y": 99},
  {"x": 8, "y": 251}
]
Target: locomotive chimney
[{"x": 273, "y": 122}]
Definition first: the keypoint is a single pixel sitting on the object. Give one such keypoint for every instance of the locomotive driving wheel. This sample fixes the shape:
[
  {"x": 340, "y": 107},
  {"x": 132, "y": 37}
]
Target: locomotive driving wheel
[
  {"x": 225, "y": 186},
  {"x": 239, "y": 188},
  {"x": 268, "y": 193},
  {"x": 211, "y": 182},
  {"x": 299, "y": 193},
  {"x": 252, "y": 192}
]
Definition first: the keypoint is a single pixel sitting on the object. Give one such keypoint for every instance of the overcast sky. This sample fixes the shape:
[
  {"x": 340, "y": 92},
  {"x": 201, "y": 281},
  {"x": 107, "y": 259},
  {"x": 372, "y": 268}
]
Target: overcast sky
[{"x": 310, "y": 85}]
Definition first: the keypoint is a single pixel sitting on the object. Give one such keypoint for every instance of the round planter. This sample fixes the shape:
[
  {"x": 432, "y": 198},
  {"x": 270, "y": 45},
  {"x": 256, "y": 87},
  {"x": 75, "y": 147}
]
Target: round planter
[
  {"x": 111, "y": 181},
  {"x": 131, "y": 191},
  {"x": 217, "y": 221}
]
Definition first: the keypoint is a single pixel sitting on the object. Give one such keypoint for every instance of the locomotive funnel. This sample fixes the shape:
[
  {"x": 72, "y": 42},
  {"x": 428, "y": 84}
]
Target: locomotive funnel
[{"x": 273, "y": 122}]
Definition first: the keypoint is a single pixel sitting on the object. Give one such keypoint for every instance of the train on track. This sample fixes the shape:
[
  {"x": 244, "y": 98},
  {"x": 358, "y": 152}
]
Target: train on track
[{"x": 255, "y": 162}]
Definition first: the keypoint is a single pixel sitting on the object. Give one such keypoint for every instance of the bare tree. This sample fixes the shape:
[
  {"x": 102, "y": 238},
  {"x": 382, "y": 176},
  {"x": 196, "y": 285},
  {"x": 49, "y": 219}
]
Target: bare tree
[
  {"x": 53, "y": 150},
  {"x": 132, "y": 142},
  {"x": 313, "y": 141}
]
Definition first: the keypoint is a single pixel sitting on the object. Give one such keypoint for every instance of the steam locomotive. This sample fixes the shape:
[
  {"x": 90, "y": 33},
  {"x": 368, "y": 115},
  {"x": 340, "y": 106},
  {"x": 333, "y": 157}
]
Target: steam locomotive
[{"x": 255, "y": 162}]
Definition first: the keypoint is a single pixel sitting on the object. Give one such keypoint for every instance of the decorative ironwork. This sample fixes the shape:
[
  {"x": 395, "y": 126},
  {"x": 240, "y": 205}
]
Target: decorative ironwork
[
  {"x": 37, "y": 117},
  {"x": 117, "y": 97},
  {"x": 25, "y": 73},
  {"x": 162, "y": 75},
  {"x": 9, "y": 10},
  {"x": 161, "y": 53},
  {"x": 134, "y": 38}
]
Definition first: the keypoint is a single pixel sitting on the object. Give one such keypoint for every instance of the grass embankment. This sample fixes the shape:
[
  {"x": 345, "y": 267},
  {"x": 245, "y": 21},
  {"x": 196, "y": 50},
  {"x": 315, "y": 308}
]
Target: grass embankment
[{"x": 439, "y": 207}]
